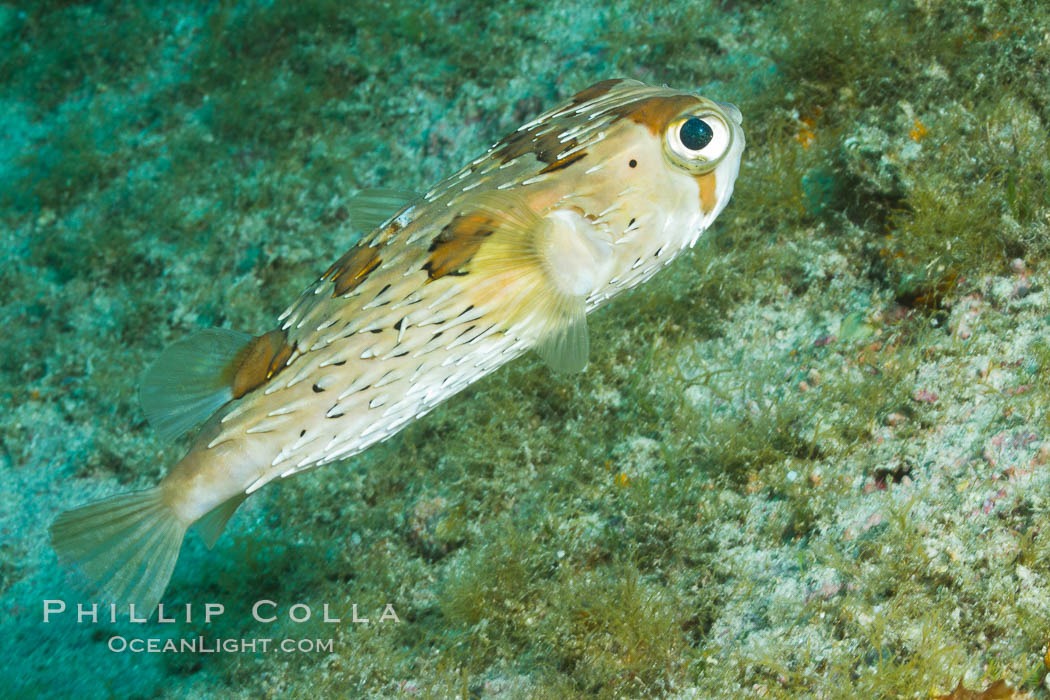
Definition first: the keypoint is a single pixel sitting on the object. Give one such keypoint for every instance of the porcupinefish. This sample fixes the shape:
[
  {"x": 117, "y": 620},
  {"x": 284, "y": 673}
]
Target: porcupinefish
[{"x": 509, "y": 254}]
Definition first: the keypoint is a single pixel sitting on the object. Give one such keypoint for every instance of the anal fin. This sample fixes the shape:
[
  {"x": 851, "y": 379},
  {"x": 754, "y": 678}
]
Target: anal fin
[{"x": 212, "y": 523}]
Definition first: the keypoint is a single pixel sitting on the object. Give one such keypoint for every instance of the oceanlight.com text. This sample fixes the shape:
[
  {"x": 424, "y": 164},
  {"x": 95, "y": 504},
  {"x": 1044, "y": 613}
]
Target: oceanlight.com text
[{"x": 201, "y": 645}]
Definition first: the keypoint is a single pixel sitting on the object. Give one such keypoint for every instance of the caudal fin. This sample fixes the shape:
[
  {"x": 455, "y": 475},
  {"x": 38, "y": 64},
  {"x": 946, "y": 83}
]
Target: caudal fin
[{"x": 126, "y": 546}]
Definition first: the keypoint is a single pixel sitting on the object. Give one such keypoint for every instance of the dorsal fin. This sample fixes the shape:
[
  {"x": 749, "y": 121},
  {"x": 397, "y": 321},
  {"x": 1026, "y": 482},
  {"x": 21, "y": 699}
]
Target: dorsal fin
[
  {"x": 370, "y": 208},
  {"x": 196, "y": 376},
  {"x": 188, "y": 382}
]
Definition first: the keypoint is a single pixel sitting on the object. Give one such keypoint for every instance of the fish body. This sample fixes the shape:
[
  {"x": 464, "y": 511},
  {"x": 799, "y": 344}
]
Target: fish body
[{"x": 509, "y": 254}]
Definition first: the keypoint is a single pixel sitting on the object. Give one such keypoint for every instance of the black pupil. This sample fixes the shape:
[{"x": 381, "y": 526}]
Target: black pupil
[{"x": 695, "y": 134}]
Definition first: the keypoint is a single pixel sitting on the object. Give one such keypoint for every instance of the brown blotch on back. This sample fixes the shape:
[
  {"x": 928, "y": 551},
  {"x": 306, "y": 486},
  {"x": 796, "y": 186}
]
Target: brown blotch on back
[
  {"x": 707, "y": 191},
  {"x": 595, "y": 91},
  {"x": 563, "y": 162},
  {"x": 540, "y": 140},
  {"x": 655, "y": 113},
  {"x": 259, "y": 361},
  {"x": 384, "y": 235},
  {"x": 457, "y": 243},
  {"x": 351, "y": 270}
]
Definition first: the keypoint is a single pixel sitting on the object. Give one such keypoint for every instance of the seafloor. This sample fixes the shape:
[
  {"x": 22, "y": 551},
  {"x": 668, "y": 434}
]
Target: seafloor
[{"x": 809, "y": 460}]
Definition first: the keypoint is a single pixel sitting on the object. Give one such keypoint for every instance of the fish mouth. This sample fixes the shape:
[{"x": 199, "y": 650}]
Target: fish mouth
[{"x": 732, "y": 110}]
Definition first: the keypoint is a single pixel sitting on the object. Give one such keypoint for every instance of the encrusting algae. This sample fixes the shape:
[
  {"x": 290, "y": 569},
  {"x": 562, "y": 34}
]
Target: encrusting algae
[{"x": 509, "y": 254}]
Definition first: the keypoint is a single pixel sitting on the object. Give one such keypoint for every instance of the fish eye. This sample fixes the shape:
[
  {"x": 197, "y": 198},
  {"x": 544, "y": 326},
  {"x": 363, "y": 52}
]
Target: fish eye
[
  {"x": 698, "y": 141},
  {"x": 695, "y": 133}
]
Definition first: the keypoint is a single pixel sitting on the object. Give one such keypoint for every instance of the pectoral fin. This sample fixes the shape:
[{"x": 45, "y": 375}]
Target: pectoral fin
[
  {"x": 515, "y": 258},
  {"x": 565, "y": 346}
]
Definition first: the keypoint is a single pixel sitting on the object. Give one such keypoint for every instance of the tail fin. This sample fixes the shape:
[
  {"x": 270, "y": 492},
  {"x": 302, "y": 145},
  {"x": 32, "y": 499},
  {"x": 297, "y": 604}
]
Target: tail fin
[{"x": 126, "y": 545}]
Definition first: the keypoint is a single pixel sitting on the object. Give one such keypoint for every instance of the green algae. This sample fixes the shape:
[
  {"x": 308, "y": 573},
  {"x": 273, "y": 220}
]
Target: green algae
[{"x": 809, "y": 460}]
